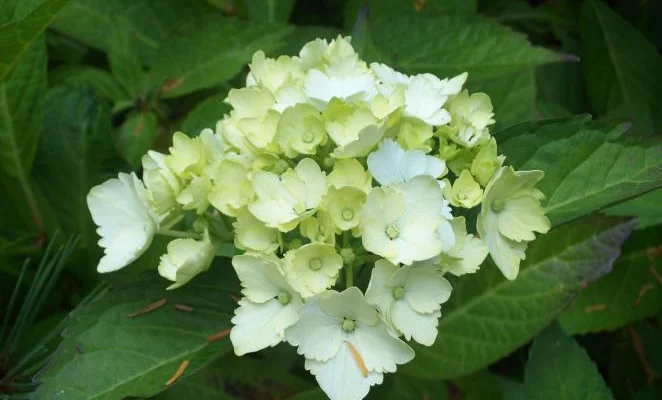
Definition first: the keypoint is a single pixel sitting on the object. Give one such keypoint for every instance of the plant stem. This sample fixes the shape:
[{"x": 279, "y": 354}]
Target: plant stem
[{"x": 349, "y": 267}]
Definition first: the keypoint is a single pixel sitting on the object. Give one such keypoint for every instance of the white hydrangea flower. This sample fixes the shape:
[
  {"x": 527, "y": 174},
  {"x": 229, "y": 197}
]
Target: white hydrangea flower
[
  {"x": 410, "y": 297},
  {"x": 269, "y": 307},
  {"x": 509, "y": 216},
  {"x": 189, "y": 156},
  {"x": 426, "y": 95},
  {"x": 405, "y": 223},
  {"x": 391, "y": 164},
  {"x": 468, "y": 253},
  {"x": 312, "y": 268},
  {"x": 350, "y": 172},
  {"x": 347, "y": 346},
  {"x": 126, "y": 224},
  {"x": 185, "y": 259},
  {"x": 162, "y": 185},
  {"x": 353, "y": 128},
  {"x": 251, "y": 233},
  {"x": 470, "y": 117},
  {"x": 231, "y": 189},
  {"x": 283, "y": 201}
]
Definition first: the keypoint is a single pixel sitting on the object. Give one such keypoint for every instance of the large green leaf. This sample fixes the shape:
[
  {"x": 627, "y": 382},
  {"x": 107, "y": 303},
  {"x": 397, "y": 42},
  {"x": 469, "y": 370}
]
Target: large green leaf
[
  {"x": 398, "y": 8},
  {"x": 85, "y": 76},
  {"x": 401, "y": 387},
  {"x": 75, "y": 153},
  {"x": 210, "y": 52},
  {"x": 586, "y": 168},
  {"x": 645, "y": 207},
  {"x": 206, "y": 114},
  {"x": 488, "y": 316},
  {"x": 137, "y": 135},
  {"x": 621, "y": 68},
  {"x": 631, "y": 291},
  {"x": 269, "y": 11},
  {"x": 108, "y": 355},
  {"x": 91, "y": 21},
  {"x": 21, "y": 107},
  {"x": 451, "y": 45},
  {"x": 16, "y": 37},
  {"x": 558, "y": 368}
]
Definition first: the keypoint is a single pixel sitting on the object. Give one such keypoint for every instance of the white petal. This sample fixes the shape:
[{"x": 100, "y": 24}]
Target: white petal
[
  {"x": 379, "y": 293},
  {"x": 340, "y": 377},
  {"x": 317, "y": 334},
  {"x": 381, "y": 352},
  {"x": 413, "y": 325},
  {"x": 251, "y": 271},
  {"x": 258, "y": 326},
  {"x": 426, "y": 290}
]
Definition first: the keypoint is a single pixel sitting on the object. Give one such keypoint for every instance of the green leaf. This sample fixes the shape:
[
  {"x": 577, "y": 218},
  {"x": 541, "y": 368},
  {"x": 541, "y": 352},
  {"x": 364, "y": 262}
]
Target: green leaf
[
  {"x": 478, "y": 386},
  {"x": 83, "y": 76},
  {"x": 16, "y": 37},
  {"x": 108, "y": 355},
  {"x": 21, "y": 107},
  {"x": 558, "y": 368},
  {"x": 75, "y": 153},
  {"x": 645, "y": 207},
  {"x": 136, "y": 136},
  {"x": 124, "y": 57},
  {"x": 585, "y": 167},
  {"x": 210, "y": 52},
  {"x": 621, "y": 68},
  {"x": 206, "y": 114},
  {"x": 447, "y": 46},
  {"x": 630, "y": 292},
  {"x": 513, "y": 96},
  {"x": 313, "y": 394},
  {"x": 91, "y": 21},
  {"x": 304, "y": 34},
  {"x": 401, "y": 387},
  {"x": 269, "y": 11},
  {"x": 398, "y": 8},
  {"x": 488, "y": 316}
]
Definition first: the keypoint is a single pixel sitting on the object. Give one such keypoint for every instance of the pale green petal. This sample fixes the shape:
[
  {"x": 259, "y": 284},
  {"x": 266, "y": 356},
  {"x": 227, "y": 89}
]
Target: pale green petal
[
  {"x": 422, "y": 328},
  {"x": 379, "y": 293},
  {"x": 251, "y": 270},
  {"x": 317, "y": 334},
  {"x": 381, "y": 351}
]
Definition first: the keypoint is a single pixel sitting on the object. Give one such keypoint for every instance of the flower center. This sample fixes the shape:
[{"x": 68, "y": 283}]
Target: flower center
[
  {"x": 348, "y": 325},
  {"x": 392, "y": 232},
  {"x": 462, "y": 196},
  {"x": 398, "y": 292},
  {"x": 498, "y": 206},
  {"x": 308, "y": 137},
  {"x": 347, "y": 214},
  {"x": 284, "y": 298},
  {"x": 315, "y": 264}
]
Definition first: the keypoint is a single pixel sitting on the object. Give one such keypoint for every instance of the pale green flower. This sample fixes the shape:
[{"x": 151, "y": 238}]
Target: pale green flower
[
  {"x": 312, "y": 268},
  {"x": 254, "y": 117},
  {"x": 282, "y": 201},
  {"x": 509, "y": 216},
  {"x": 126, "y": 224},
  {"x": 410, "y": 297},
  {"x": 300, "y": 130},
  {"x": 350, "y": 172},
  {"x": 347, "y": 346},
  {"x": 274, "y": 74},
  {"x": 403, "y": 223},
  {"x": 231, "y": 189},
  {"x": 486, "y": 162},
  {"x": 185, "y": 259},
  {"x": 319, "y": 228},
  {"x": 251, "y": 233},
  {"x": 465, "y": 192},
  {"x": 162, "y": 185},
  {"x": 413, "y": 134},
  {"x": 391, "y": 164},
  {"x": 344, "y": 206},
  {"x": 468, "y": 253},
  {"x": 269, "y": 307},
  {"x": 353, "y": 128},
  {"x": 470, "y": 116},
  {"x": 426, "y": 94},
  {"x": 189, "y": 156},
  {"x": 196, "y": 195}
]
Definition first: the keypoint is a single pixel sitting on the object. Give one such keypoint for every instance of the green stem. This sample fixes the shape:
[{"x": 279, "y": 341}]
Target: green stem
[
  {"x": 349, "y": 267},
  {"x": 179, "y": 234}
]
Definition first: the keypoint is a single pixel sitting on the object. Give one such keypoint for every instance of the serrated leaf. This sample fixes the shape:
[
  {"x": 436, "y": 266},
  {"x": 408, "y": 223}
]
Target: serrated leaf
[
  {"x": 210, "y": 52},
  {"x": 136, "y": 135},
  {"x": 83, "y": 76},
  {"x": 269, "y": 11},
  {"x": 558, "y": 368},
  {"x": 75, "y": 153},
  {"x": 108, "y": 355},
  {"x": 447, "y": 46},
  {"x": 630, "y": 292},
  {"x": 621, "y": 68},
  {"x": 488, "y": 316},
  {"x": 645, "y": 207},
  {"x": 587, "y": 167},
  {"x": 90, "y": 21},
  {"x": 206, "y": 114},
  {"x": 16, "y": 37}
]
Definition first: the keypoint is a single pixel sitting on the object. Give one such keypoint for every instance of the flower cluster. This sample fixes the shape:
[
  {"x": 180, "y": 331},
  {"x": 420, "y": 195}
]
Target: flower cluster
[{"x": 330, "y": 173}]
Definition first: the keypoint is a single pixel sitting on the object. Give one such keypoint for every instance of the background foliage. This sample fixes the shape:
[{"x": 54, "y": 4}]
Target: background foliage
[{"x": 87, "y": 86}]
